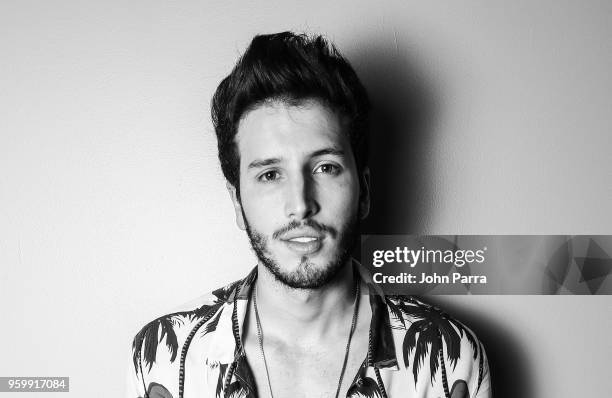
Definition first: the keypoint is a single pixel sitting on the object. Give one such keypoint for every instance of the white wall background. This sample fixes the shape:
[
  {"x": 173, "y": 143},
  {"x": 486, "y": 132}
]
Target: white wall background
[{"x": 113, "y": 207}]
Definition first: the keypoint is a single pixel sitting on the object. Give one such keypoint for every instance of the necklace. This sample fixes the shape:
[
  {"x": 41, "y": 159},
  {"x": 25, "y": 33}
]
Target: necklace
[{"x": 348, "y": 343}]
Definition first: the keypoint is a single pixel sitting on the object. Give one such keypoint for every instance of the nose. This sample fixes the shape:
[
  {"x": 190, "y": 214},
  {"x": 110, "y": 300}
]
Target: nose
[{"x": 300, "y": 202}]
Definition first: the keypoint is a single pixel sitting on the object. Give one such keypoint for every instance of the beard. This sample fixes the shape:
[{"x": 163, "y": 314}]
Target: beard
[{"x": 307, "y": 275}]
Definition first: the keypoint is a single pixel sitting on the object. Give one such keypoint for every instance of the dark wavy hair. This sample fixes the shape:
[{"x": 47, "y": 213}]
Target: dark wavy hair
[{"x": 290, "y": 68}]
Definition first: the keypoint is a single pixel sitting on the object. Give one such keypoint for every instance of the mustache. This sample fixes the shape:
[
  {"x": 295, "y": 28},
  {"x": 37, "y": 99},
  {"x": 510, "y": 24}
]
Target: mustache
[{"x": 307, "y": 223}]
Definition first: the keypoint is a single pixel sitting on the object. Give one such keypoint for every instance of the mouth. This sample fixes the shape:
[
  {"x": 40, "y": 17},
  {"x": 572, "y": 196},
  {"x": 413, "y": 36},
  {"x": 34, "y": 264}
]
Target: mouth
[
  {"x": 303, "y": 239},
  {"x": 304, "y": 245}
]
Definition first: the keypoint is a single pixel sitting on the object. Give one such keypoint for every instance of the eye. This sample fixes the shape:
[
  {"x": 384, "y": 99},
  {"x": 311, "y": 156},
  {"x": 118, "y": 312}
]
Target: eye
[
  {"x": 328, "y": 168},
  {"x": 268, "y": 176}
]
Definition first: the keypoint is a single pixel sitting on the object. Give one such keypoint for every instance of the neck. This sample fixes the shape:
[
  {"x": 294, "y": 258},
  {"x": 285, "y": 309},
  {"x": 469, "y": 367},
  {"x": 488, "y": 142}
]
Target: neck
[{"x": 311, "y": 314}]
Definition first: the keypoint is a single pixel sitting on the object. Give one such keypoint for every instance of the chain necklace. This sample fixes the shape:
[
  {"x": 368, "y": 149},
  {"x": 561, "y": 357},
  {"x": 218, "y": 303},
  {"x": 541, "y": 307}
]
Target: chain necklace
[{"x": 348, "y": 343}]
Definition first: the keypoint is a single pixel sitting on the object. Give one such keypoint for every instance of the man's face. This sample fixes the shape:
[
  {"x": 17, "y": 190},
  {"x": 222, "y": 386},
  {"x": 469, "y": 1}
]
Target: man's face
[{"x": 299, "y": 191}]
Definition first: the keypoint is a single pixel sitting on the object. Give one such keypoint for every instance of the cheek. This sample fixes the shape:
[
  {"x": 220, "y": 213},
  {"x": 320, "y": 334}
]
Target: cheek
[
  {"x": 340, "y": 199},
  {"x": 260, "y": 210}
]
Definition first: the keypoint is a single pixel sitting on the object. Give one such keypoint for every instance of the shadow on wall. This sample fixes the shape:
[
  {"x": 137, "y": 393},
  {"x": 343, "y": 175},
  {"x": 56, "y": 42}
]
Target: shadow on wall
[{"x": 405, "y": 107}]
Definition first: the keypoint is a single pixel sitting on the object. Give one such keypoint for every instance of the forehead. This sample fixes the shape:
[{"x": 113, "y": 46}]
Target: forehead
[{"x": 274, "y": 129}]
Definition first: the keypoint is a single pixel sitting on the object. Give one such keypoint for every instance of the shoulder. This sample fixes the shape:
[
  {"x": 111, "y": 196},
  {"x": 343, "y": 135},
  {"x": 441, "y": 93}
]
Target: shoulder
[
  {"x": 436, "y": 347},
  {"x": 157, "y": 344}
]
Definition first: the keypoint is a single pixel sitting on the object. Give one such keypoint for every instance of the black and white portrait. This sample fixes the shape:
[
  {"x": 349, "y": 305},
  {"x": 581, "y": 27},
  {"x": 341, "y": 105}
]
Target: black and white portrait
[{"x": 139, "y": 172}]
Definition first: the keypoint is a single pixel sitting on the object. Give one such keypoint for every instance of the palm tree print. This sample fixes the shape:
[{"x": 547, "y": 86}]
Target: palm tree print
[
  {"x": 236, "y": 390},
  {"x": 150, "y": 334},
  {"x": 220, "y": 379},
  {"x": 429, "y": 331},
  {"x": 366, "y": 388}
]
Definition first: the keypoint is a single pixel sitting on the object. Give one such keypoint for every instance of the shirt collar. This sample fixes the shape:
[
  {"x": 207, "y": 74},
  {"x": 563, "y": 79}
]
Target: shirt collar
[
  {"x": 381, "y": 347},
  {"x": 226, "y": 345}
]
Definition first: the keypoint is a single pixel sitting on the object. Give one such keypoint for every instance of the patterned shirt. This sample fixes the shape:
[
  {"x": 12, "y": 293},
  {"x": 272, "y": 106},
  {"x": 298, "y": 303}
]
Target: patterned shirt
[{"x": 414, "y": 350}]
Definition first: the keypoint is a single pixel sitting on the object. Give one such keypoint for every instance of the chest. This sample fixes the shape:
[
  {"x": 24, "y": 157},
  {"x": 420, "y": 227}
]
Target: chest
[{"x": 314, "y": 371}]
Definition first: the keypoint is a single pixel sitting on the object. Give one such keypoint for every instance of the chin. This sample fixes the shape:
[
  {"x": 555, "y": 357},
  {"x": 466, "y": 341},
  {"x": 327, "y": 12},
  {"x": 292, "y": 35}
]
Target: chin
[{"x": 308, "y": 274}]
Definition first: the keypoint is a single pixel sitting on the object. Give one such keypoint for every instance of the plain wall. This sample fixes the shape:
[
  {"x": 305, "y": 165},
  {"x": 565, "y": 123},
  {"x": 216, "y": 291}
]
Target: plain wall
[{"x": 113, "y": 208}]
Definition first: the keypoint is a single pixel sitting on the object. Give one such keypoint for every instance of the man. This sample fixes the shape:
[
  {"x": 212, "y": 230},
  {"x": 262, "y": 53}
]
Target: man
[{"x": 291, "y": 121}]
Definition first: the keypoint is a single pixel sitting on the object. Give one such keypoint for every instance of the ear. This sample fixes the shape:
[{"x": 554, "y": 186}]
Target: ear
[
  {"x": 364, "y": 194},
  {"x": 237, "y": 206}
]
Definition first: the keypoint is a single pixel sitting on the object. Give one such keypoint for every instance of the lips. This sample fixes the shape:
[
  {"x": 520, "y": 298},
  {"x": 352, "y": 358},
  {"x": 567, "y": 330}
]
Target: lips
[
  {"x": 303, "y": 240},
  {"x": 304, "y": 247},
  {"x": 301, "y": 233}
]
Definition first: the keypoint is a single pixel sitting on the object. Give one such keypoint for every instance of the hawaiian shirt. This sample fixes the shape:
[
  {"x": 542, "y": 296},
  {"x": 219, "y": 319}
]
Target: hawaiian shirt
[{"x": 415, "y": 350}]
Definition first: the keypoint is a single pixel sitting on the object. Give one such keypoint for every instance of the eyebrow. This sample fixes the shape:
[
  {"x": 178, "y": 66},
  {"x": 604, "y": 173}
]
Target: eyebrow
[
  {"x": 263, "y": 163},
  {"x": 258, "y": 163},
  {"x": 327, "y": 151}
]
